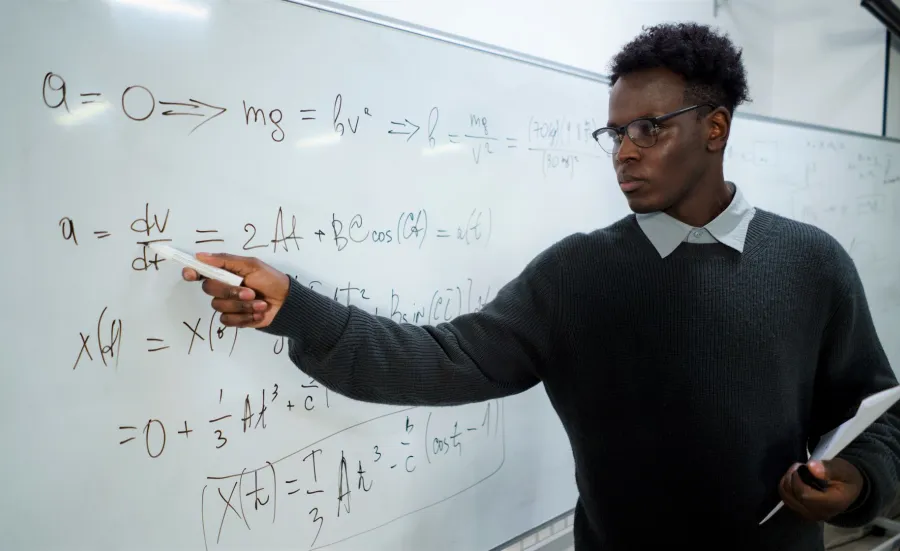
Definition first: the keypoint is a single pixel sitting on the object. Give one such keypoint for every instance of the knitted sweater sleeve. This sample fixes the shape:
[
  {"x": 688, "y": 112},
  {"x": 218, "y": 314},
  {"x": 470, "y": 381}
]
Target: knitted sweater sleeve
[
  {"x": 853, "y": 365},
  {"x": 498, "y": 351}
]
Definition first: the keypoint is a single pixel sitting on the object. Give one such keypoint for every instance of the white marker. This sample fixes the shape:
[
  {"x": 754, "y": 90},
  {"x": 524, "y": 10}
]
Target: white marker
[
  {"x": 772, "y": 513},
  {"x": 171, "y": 253}
]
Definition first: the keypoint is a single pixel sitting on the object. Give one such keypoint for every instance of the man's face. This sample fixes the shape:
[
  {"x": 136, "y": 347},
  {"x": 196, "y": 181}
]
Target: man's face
[{"x": 656, "y": 178}]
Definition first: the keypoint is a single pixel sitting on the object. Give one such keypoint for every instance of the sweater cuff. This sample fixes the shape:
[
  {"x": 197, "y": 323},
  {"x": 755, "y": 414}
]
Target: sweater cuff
[
  {"x": 867, "y": 505},
  {"x": 313, "y": 320}
]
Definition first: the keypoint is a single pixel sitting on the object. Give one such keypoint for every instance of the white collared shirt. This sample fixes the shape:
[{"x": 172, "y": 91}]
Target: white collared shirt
[{"x": 729, "y": 227}]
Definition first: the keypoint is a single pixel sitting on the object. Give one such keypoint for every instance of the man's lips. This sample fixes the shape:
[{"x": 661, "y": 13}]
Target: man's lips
[{"x": 628, "y": 185}]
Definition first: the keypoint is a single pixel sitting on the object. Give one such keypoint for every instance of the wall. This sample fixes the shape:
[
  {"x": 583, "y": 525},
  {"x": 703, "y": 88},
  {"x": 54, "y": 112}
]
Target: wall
[
  {"x": 829, "y": 66},
  {"x": 893, "y": 108},
  {"x": 817, "y": 61}
]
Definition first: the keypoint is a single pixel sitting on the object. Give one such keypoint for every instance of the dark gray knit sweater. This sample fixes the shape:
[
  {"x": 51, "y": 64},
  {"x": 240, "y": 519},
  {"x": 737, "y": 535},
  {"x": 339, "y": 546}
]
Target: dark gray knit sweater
[{"x": 735, "y": 363}]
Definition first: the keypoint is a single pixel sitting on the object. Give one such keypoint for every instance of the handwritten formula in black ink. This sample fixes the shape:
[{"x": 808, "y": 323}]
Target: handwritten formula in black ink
[
  {"x": 343, "y": 485},
  {"x": 560, "y": 144}
]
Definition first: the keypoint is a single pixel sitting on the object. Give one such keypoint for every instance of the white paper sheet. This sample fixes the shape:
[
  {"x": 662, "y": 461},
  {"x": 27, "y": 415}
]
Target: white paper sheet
[{"x": 833, "y": 442}]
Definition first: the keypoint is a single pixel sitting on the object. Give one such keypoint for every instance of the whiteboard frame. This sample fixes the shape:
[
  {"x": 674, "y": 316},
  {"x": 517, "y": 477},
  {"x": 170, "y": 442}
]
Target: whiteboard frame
[{"x": 384, "y": 21}]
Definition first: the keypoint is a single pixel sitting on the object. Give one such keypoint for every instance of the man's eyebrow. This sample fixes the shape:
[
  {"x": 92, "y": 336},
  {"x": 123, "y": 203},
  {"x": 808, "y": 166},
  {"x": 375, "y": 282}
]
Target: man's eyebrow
[{"x": 649, "y": 115}]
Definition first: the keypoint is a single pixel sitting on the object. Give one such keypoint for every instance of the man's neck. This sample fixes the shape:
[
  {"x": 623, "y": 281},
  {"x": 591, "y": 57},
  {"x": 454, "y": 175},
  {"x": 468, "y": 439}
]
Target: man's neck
[{"x": 703, "y": 206}]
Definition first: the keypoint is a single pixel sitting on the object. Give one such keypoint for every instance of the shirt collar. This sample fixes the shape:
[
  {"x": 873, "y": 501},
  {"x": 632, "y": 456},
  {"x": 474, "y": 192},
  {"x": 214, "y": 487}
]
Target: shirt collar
[{"x": 729, "y": 227}]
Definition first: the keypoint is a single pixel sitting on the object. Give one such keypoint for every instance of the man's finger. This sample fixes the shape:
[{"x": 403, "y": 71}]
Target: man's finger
[
  {"x": 190, "y": 274},
  {"x": 217, "y": 289},
  {"x": 788, "y": 476},
  {"x": 803, "y": 491},
  {"x": 240, "y": 265},
  {"x": 229, "y": 306},
  {"x": 240, "y": 320},
  {"x": 787, "y": 495},
  {"x": 784, "y": 485},
  {"x": 801, "y": 510},
  {"x": 793, "y": 485}
]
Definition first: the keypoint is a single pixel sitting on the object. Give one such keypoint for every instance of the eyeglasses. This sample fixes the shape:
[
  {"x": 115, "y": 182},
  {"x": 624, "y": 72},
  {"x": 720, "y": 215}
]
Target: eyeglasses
[{"x": 643, "y": 132}]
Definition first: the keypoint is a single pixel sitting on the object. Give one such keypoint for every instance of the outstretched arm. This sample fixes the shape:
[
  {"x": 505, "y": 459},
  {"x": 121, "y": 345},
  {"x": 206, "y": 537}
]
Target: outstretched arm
[{"x": 498, "y": 351}]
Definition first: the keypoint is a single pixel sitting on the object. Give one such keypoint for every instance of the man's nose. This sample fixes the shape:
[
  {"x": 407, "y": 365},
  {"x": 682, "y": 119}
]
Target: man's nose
[{"x": 627, "y": 150}]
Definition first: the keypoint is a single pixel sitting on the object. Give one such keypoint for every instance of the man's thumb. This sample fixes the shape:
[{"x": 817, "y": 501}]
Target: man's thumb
[{"x": 819, "y": 469}]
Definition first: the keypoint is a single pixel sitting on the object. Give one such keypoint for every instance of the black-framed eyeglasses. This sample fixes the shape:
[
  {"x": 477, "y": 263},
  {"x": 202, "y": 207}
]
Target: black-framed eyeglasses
[{"x": 643, "y": 132}]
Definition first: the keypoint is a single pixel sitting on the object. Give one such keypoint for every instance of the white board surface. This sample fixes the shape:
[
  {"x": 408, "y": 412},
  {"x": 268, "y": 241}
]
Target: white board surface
[{"x": 405, "y": 175}]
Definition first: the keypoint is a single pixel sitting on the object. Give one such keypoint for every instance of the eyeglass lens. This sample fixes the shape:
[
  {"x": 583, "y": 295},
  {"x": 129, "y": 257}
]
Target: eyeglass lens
[{"x": 641, "y": 133}]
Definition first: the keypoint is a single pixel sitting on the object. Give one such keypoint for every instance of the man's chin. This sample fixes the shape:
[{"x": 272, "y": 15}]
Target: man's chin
[{"x": 641, "y": 205}]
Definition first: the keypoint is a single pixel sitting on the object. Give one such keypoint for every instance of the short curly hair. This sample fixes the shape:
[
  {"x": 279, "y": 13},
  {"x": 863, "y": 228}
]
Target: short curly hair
[{"x": 708, "y": 61}]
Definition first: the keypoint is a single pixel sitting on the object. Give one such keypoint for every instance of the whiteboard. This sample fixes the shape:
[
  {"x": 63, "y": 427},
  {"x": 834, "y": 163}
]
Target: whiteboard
[{"x": 409, "y": 176}]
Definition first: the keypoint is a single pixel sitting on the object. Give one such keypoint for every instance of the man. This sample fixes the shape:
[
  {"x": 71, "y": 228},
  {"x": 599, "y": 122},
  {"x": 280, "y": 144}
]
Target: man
[{"x": 694, "y": 350}]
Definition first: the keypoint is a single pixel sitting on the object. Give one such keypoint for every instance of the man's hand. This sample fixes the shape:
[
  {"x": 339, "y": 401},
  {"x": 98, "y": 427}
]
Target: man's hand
[
  {"x": 253, "y": 305},
  {"x": 845, "y": 483}
]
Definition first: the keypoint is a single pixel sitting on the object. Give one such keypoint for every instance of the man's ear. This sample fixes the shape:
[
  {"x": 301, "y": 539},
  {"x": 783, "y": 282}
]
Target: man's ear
[{"x": 718, "y": 126}]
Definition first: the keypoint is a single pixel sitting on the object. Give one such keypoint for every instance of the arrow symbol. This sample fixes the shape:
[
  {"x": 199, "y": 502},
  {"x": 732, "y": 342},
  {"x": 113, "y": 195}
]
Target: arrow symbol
[
  {"x": 188, "y": 105},
  {"x": 405, "y": 131},
  {"x": 191, "y": 109}
]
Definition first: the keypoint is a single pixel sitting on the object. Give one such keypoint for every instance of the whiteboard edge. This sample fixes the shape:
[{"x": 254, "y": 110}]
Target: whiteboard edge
[
  {"x": 547, "y": 524},
  {"x": 816, "y": 127},
  {"x": 384, "y": 21}
]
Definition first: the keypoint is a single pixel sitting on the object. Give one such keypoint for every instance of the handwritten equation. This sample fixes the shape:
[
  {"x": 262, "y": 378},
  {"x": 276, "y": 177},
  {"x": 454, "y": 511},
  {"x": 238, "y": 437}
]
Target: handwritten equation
[
  {"x": 407, "y": 228},
  {"x": 821, "y": 160},
  {"x": 253, "y": 413},
  {"x": 100, "y": 341},
  {"x": 340, "y": 486},
  {"x": 560, "y": 144}
]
